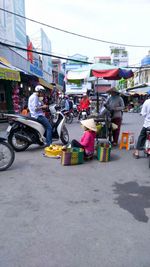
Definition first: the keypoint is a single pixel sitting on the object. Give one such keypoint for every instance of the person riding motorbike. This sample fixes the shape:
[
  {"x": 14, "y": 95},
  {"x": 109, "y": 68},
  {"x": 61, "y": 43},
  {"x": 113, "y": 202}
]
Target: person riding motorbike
[
  {"x": 36, "y": 111},
  {"x": 84, "y": 104}
]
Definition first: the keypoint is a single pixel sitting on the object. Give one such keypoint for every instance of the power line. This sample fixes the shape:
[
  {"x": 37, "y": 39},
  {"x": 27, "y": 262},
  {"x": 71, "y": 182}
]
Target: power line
[
  {"x": 60, "y": 57},
  {"x": 55, "y": 54},
  {"x": 76, "y": 34},
  {"x": 44, "y": 54}
]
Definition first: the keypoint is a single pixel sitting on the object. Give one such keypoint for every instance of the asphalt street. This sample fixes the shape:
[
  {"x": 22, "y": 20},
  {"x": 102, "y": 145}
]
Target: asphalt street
[{"x": 90, "y": 215}]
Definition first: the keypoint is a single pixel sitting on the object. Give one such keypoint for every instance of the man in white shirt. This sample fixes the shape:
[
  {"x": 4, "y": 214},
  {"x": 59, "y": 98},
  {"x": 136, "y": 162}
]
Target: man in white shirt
[
  {"x": 36, "y": 111},
  {"x": 145, "y": 112}
]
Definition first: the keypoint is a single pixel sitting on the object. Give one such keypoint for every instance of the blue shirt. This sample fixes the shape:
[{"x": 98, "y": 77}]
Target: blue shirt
[
  {"x": 67, "y": 104},
  {"x": 33, "y": 103}
]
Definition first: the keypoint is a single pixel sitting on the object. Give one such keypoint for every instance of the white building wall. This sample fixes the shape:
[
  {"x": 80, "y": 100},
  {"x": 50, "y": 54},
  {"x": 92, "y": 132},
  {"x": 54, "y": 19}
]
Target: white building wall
[
  {"x": 13, "y": 28},
  {"x": 119, "y": 56}
]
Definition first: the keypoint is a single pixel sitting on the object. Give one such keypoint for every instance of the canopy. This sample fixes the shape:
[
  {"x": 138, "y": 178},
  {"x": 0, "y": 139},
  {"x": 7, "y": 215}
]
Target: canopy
[
  {"x": 45, "y": 83},
  {"x": 77, "y": 75},
  {"x": 99, "y": 70},
  {"x": 110, "y": 72},
  {"x": 7, "y": 73},
  {"x": 139, "y": 90},
  {"x": 114, "y": 74}
]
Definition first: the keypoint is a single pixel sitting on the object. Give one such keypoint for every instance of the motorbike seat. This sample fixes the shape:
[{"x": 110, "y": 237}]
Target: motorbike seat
[{"x": 34, "y": 119}]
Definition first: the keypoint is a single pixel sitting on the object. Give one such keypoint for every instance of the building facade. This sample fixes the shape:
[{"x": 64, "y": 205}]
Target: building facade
[
  {"x": 142, "y": 74},
  {"x": 102, "y": 59},
  {"x": 33, "y": 67},
  {"x": 78, "y": 62},
  {"x": 119, "y": 56}
]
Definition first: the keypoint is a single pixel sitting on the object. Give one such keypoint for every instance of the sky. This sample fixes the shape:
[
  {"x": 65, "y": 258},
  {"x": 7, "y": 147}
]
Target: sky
[{"x": 119, "y": 21}]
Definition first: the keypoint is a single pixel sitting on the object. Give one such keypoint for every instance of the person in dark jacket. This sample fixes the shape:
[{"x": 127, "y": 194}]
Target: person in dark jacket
[{"x": 115, "y": 104}]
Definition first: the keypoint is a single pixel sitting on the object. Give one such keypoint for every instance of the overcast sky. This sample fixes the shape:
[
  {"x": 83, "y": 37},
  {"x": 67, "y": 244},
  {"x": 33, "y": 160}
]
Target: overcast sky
[{"x": 120, "y": 21}]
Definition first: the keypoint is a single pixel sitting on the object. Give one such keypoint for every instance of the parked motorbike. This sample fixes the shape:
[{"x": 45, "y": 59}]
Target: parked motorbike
[
  {"x": 68, "y": 115},
  {"x": 7, "y": 154},
  {"x": 53, "y": 112},
  {"x": 147, "y": 145},
  {"x": 25, "y": 131},
  {"x": 75, "y": 111}
]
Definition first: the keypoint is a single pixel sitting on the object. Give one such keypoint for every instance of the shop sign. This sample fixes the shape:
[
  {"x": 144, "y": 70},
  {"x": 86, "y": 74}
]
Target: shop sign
[
  {"x": 36, "y": 70},
  {"x": 30, "y": 53},
  {"x": 46, "y": 46},
  {"x": 8, "y": 74}
]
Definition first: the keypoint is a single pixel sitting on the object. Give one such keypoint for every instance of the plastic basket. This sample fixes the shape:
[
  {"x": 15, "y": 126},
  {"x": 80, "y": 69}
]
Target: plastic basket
[
  {"x": 104, "y": 152},
  {"x": 72, "y": 156},
  {"x": 53, "y": 150}
]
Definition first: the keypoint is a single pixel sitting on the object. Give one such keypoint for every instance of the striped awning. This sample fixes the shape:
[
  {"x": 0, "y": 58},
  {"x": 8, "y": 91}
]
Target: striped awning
[
  {"x": 139, "y": 90},
  {"x": 6, "y": 73},
  {"x": 45, "y": 83}
]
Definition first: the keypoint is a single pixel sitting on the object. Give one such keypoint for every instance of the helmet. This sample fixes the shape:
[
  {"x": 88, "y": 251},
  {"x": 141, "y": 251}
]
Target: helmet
[{"x": 39, "y": 88}]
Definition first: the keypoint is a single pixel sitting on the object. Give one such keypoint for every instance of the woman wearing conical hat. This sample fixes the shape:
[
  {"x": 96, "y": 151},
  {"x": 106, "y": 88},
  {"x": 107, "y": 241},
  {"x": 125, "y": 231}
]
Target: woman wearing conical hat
[{"x": 88, "y": 139}]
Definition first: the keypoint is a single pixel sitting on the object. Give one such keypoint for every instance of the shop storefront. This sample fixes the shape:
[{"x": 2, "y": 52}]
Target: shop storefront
[
  {"x": 9, "y": 78},
  {"x": 18, "y": 83}
]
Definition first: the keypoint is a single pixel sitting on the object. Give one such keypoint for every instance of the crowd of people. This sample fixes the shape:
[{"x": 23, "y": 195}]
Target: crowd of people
[{"x": 114, "y": 103}]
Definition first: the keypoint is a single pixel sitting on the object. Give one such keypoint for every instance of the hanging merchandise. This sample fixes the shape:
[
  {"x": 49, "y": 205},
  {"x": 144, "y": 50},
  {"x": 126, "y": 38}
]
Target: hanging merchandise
[{"x": 15, "y": 99}]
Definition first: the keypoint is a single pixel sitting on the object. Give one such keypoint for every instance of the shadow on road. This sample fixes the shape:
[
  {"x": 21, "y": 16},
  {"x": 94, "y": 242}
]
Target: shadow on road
[{"x": 133, "y": 198}]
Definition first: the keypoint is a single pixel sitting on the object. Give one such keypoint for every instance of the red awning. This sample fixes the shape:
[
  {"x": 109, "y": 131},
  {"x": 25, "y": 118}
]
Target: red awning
[
  {"x": 109, "y": 74},
  {"x": 112, "y": 74}
]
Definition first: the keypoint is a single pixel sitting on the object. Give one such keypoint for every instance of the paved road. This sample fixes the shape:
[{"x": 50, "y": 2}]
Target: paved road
[{"x": 90, "y": 215}]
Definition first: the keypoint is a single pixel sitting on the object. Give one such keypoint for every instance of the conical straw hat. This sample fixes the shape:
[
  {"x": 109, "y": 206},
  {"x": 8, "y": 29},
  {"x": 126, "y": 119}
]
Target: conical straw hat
[
  {"x": 90, "y": 124},
  {"x": 113, "y": 89}
]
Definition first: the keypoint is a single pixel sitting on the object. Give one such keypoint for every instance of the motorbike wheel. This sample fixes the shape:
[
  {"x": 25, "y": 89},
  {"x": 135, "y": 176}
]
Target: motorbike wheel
[
  {"x": 7, "y": 155},
  {"x": 75, "y": 113},
  {"x": 64, "y": 135},
  {"x": 17, "y": 144},
  {"x": 69, "y": 118}
]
